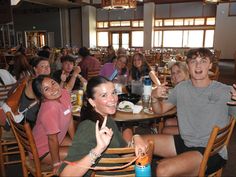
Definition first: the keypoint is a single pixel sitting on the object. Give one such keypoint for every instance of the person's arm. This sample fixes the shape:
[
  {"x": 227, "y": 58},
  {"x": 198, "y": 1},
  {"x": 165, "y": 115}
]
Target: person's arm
[
  {"x": 103, "y": 137},
  {"x": 71, "y": 129},
  {"x": 72, "y": 80},
  {"x": 54, "y": 151},
  {"x": 158, "y": 106}
]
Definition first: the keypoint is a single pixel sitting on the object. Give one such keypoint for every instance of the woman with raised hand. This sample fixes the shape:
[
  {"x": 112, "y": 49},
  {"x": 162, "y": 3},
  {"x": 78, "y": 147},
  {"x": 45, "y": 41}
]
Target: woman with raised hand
[
  {"x": 54, "y": 120},
  {"x": 89, "y": 142}
]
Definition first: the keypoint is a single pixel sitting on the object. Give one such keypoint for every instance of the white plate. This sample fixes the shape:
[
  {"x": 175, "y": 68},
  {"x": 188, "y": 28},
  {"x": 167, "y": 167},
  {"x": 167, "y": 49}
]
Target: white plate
[
  {"x": 148, "y": 111},
  {"x": 125, "y": 106},
  {"x": 125, "y": 110}
]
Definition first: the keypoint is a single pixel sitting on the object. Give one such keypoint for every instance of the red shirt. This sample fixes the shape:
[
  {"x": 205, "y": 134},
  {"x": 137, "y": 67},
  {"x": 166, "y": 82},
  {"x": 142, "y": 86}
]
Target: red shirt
[{"x": 89, "y": 63}]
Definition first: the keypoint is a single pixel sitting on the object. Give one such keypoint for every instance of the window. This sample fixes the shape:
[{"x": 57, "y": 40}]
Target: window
[
  {"x": 125, "y": 23},
  {"x": 158, "y": 22},
  {"x": 115, "y": 23},
  {"x": 137, "y": 39},
  {"x": 169, "y": 22},
  {"x": 199, "y": 21},
  {"x": 102, "y": 39},
  {"x": 157, "y": 38},
  {"x": 209, "y": 38},
  {"x": 184, "y": 32},
  {"x": 193, "y": 38},
  {"x": 188, "y": 21},
  {"x": 137, "y": 23},
  {"x": 211, "y": 21},
  {"x": 102, "y": 24},
  {"x": 172, "y": 38},
  {"x": 178, "y": 22}
]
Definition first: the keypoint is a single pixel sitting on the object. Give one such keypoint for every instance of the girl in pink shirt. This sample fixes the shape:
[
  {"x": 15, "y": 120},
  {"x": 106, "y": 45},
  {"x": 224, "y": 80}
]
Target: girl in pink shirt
[{"x": 53, "y": 121}]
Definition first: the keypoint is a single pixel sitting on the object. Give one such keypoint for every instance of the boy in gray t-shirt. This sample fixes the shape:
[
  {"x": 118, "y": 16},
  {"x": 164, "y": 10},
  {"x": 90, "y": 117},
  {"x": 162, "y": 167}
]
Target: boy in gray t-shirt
[{"x": 201, "y": 104}]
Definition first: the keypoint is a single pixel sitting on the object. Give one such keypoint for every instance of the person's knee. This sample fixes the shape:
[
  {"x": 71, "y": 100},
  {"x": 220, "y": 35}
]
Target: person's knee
[{"x": 163, "y": 169}]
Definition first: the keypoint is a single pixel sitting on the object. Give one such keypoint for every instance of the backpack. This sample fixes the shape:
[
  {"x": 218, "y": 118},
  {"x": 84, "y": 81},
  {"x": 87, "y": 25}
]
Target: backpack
[{"x": 13, "y": 101}]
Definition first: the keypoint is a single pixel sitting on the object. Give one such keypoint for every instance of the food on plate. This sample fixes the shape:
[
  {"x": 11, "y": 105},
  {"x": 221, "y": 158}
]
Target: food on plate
[{"x": 125, "y": 106}]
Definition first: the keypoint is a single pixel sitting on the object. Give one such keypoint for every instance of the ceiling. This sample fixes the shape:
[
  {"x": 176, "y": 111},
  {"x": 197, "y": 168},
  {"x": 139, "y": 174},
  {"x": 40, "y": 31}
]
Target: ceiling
[{"x": 97, "y": 3}]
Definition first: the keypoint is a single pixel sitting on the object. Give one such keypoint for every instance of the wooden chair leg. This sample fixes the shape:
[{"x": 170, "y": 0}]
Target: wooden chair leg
[{"x": 2, "y": 167}]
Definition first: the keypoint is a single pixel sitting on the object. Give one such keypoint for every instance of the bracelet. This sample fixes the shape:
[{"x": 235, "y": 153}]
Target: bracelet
[
  {"x": 56, "y": 164},
  {"x": 93, "y": 156}
]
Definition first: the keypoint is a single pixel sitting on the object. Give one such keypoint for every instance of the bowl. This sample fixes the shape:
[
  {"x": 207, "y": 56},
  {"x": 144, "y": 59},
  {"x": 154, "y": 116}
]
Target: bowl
[{"x": 134, "y": 98}]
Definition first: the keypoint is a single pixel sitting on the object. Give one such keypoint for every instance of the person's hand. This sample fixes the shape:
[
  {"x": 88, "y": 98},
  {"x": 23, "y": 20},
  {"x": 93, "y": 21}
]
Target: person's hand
[
  {"x": 77, "y": 70},
  {"x": 63, "y": 76},
  {"x": 56, "y": 167},
  {"x": 103, "y": 136},
  {"x": 160, "y": 91},
  {"x": 139, "y": 145},
  {"x": 233, "y": 95}
]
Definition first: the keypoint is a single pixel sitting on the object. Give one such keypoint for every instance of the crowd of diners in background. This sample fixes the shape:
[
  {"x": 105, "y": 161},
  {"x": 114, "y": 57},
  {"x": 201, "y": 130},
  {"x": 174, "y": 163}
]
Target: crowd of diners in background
[{"x": 52, "y": 76}]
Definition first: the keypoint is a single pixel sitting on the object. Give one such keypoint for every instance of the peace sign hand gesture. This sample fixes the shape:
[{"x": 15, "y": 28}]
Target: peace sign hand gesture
[{"x": 103, "y": 136}]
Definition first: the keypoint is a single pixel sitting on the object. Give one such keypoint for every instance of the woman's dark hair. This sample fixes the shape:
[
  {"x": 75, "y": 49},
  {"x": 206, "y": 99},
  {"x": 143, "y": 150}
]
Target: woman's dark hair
[
  {"x": 145, "y": 68},
  {"x": 84, "y": 52},
  {"x": 36, "y": 60},
  {"x": 67, "y": 58},
  {"x": 37, "y": 86},
  {"x": 87, "y": 110},
  {"x": 21, "y": 66}
]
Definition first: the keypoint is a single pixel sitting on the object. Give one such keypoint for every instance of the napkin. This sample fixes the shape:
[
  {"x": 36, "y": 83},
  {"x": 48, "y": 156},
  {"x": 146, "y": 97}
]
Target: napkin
[{"x": 137, "y": 109}]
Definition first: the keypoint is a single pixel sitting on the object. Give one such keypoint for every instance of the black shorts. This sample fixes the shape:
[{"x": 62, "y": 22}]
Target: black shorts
[{"x": 214, "y": 163}]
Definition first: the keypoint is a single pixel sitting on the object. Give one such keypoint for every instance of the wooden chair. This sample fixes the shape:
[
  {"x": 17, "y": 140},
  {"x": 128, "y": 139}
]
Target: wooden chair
[
  {"x": 8, "y": 143},
  {"x": 93, "y": 73},
  {"x": 27, "y": 145},
  {"x": 126, "y": 155},
  {"x": 215, "y": 72},
  {"x": 219, "y": 138}
]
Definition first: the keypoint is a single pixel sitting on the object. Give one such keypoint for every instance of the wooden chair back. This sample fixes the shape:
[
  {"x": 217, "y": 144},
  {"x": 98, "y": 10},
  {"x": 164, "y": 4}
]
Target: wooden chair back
[
  {"x": 126, "y": 155},
  {"x": 8, "y": 143},
  {"x": 27, "y": 146},
  {"x": 219, "y": 138},
  {"x": 93, "y": 73},
  {"x": 216, "y": 73}
]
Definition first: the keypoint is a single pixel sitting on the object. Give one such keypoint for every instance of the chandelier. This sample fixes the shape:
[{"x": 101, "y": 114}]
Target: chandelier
[
  {"x": 212, "y": 1},
  {"x": 119, "y": 4}
]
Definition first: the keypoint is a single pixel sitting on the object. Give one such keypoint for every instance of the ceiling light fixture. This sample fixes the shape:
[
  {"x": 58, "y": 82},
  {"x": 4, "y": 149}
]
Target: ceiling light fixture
[
  {"x": 212, "y": 1},
  {"x": 119, "y": 4}
]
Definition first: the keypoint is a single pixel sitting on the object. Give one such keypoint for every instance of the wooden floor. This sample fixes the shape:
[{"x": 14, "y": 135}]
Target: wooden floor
[{"x": 227, "y": 76}]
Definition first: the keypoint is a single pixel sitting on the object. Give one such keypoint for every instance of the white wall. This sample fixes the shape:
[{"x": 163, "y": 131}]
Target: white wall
[{"x": 225, "y": 32}]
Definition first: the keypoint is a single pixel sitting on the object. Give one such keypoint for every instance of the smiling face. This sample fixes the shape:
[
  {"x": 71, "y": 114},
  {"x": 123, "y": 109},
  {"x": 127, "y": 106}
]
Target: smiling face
[
  {"x": 177, "y": 75},
  {"x": 121, "y": 62},
  {"x": 199, "y": 67},
  {"x": 105, "y": 99},
  {"x": 43, "y": 68},
  {"x": 137, "y": 61},
  {"x": 50, "y": 89}
]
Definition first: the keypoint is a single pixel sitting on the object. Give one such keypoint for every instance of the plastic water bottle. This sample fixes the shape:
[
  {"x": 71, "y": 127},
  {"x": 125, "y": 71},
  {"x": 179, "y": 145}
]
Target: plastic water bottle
[
  {"x": 143, "y": 167},
  {"x": 147, "y": 86}
]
